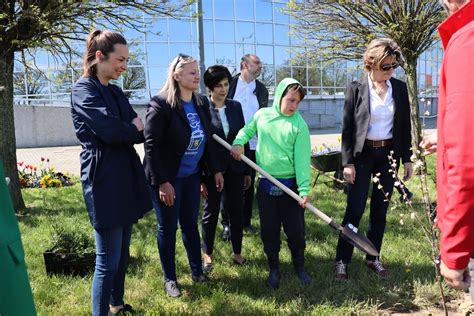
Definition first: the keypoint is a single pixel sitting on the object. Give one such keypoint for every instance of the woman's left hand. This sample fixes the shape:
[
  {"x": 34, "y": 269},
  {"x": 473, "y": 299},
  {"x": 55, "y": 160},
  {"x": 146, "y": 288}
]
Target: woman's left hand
[
  {"x": 247, "y": 182},
  {"x": 219, "y": 179},
  {"x": 304, "y": 201},
  {"x": 204, "y": 193},
  {"x": 407, "y": 171}
]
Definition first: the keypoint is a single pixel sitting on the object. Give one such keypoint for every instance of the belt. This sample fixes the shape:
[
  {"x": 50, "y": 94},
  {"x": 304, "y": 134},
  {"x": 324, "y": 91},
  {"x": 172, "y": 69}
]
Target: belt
[{"x": 378, "y": 143}]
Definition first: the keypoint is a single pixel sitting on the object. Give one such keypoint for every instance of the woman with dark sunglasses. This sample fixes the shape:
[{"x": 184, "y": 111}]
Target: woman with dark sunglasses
[
  {"x": 376, "y": 124},
  {"x": 177, "y": 150}
]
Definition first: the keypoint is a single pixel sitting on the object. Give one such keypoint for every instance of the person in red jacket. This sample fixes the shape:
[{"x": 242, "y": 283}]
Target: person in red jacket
[{"x": 453, "y": 143}]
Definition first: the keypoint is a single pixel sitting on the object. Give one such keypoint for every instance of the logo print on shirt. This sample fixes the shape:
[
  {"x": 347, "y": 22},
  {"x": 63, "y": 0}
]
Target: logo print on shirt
[{"x": 197, "y": 135}]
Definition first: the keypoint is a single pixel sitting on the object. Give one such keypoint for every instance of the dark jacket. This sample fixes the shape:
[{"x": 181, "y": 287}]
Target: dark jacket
[
  {"x": 167, "y": 135},
  {"x": 356, "y": 117},
  {"x": 113, "y": 179},
  {"x": 223, "y": 160},
  {"x": 260, "y": 91}
]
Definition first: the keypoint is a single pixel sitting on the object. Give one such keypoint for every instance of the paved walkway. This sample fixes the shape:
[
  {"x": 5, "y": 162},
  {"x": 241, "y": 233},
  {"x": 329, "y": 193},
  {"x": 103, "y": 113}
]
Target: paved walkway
[{"x": 66, "y": 159}]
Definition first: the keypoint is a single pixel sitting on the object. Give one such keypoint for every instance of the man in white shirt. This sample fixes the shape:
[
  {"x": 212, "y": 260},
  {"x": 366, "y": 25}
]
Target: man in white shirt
[{"x": 252, "y": 95}]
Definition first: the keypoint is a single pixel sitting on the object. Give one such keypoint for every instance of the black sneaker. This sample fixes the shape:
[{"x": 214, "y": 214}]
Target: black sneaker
[
  {"x": 304, "y": 277},
  {"x": 172, "y": 289},
  {"x": 273, "y": 279},
  {"x": 226, "y": 233},
  {"x": 251, "y": 230},
  {"x": 125, "y": 310},
  {"x": 200, "y": 278}
]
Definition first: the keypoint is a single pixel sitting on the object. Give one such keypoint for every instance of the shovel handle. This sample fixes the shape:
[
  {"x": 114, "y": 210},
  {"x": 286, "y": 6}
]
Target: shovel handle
[{"x": 295, "y": 196}]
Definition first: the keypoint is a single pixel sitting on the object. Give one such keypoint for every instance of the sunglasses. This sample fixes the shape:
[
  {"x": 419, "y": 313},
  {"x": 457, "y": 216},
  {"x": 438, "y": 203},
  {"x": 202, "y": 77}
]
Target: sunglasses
[
  {"x": 180, "y": 57},
  {"x": 387, "y": 67}
]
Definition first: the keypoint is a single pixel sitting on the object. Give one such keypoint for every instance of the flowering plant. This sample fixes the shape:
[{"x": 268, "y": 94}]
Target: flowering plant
[{"x": 44, "y": 176}]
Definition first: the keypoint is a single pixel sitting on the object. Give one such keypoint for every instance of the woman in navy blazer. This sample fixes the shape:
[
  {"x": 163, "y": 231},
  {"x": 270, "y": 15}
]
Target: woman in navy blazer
[
  {"x": 177, "y": 151},
  {"x": 226, "y": 121},
  {"x": 376, "y": 124},
  {"x": 113, "y": 179}
]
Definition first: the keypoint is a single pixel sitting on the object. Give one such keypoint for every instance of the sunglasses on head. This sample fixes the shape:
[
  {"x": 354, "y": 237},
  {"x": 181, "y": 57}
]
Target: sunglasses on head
[
  {"x": 180, "y": 57},
  {"x": 387, "y": 67}
]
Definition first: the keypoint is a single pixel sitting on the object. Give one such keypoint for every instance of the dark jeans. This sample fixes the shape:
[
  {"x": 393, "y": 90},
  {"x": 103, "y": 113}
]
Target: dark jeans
[
  {"x": 112, "y": 252},
  {"x": 369, "y": 163},
  {"x": 185, "y": 210},
  {"x": 234, "y": 191},
  {"x": 274, "y": 212},
  {"x": 248, "y": 199}
]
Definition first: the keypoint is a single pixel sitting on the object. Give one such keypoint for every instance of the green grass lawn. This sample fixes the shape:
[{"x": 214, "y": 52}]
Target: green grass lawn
[{"x": 241, "y": 290}]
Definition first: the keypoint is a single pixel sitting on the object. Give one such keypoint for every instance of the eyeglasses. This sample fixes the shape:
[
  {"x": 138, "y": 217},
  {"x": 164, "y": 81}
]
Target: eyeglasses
[{"x": 387, "y": 67}]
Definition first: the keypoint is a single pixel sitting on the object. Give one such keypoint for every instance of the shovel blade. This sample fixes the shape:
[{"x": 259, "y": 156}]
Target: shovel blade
[{"x": 359, "y": 241}]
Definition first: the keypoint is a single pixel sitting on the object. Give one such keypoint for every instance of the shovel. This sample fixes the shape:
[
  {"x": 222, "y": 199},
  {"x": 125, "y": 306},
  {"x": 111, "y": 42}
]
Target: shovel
[{"x": 348, "y": 232}]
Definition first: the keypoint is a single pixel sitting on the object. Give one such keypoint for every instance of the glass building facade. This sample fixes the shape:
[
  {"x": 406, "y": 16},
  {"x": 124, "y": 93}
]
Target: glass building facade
[{"x": 231, "y": 28}]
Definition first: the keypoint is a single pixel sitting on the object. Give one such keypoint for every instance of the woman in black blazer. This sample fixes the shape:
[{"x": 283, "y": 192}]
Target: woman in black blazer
[
  {"x": 226, "y": 121},
  {"x": 177, "y": 150},
  {"x": 376, "y": 123}
]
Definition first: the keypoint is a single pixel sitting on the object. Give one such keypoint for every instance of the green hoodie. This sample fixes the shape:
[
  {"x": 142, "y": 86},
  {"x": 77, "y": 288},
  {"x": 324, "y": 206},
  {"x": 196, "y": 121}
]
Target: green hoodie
[{"x": 284, "y": 145}]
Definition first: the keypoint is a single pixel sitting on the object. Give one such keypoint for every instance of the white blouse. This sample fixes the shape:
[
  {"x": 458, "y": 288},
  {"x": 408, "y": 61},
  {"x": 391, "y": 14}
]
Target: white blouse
[{"x": 381, "y": 113}]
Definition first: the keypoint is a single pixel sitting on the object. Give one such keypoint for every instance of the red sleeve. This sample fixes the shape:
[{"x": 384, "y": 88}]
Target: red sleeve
[{"x": 457, "y": 239}]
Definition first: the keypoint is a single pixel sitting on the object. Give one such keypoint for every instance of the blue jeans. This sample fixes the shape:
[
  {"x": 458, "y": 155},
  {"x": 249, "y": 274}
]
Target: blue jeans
[
  {"x": 185, "y": 210},
  {"x": 112, "y": 252}
]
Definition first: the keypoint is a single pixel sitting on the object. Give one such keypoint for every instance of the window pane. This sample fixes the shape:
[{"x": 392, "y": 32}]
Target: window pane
[
  {"x": 282, "y": 55},
  {"x": 279, "y": 16},
  {"x": 265, "y": 53},
  {"x": 225, "y": 53},
  {"x": 208, "y": 31},
  {"x": 245, "y": 32},
  {"x": 282, "y": 35},
  {"x": 182, "y": 48},
  {"x": 158, "y": 54},
  {"x": 282, "y": 72},
  {"x": 267, "y": 77},
  {"x": 224, "y": 31},
  {"x": 264, "y": 33},
  {"x": 209, "y": 57},
  {"x": 245, "y": 10},
  {"x": 159, "y": 30},
  {"x": 224, "y": 9},
  {"x": 157, "y": 77},
  {"x": 207, "y": 9},
  {"x": 264, "y": 10},
  {"x": 181, "y": 30},
  {"x": 299, "y": 73}
]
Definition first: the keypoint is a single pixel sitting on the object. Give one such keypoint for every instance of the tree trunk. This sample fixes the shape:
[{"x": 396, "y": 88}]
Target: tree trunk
[
  {"x": 412, "y": 84},
  {"x": 7, "y": 123}
]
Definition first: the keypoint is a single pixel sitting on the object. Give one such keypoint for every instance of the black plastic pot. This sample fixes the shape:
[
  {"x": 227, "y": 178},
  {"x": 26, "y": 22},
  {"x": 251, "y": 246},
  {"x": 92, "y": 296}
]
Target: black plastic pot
[{"x": 69, "y": 263}]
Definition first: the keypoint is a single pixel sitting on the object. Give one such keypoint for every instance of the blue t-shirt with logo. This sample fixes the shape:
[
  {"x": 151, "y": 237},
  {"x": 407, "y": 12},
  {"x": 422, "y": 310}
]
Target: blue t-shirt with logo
[{"x": 195, "y": 150}]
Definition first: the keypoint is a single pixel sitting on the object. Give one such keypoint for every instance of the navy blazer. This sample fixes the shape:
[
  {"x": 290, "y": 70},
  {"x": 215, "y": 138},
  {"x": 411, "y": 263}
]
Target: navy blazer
[
  {"x": 113, "y": 179},
  {"x": 235, "y": 118},
  {"x": 356, "y": 117},
  {"x": 167, "y": 136}
]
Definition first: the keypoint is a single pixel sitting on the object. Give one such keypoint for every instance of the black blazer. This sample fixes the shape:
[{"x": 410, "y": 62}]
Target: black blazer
[
  {"x": 260, "y": 91},
  {"x": 356, "y": 117},
  {"x": 235, "y": 117},
  {"x": 167, "y": 134}
]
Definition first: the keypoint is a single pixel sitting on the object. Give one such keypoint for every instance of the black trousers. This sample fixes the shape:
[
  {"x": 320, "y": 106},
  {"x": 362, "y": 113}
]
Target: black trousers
[
  {"x": 274, "y": 212},
  {"x": 368, "y": 164},
  {"x": 248, "y": 199},
  {"x": 234, "y": 192}
]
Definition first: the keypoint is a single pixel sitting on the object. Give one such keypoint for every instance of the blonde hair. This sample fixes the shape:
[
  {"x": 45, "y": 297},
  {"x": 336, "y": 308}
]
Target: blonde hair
[
  {"x": 171, "y": 89},
  {"x": 99, "y": 40},
  {"x": 377, "y": 50}
]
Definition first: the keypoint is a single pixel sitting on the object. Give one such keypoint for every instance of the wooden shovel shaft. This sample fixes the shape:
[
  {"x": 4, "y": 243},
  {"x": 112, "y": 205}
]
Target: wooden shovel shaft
[{"x": 249, "y": 162}]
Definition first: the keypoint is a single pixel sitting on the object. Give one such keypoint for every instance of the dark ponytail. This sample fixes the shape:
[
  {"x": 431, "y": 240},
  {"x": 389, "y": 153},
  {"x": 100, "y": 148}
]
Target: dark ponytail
[{"x": 103, "y": 41}]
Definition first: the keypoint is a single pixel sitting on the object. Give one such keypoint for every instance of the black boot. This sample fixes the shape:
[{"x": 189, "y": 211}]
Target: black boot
[{"x": 273, "y": 280}]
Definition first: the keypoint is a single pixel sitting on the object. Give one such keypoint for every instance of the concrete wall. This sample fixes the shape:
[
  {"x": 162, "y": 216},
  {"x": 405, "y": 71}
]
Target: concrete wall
[{"x": 49, "y": 126}]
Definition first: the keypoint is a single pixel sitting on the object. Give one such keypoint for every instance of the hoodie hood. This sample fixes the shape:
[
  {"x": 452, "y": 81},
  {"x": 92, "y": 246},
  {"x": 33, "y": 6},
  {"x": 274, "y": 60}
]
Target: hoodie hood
[{"x": 279, "y": 92}]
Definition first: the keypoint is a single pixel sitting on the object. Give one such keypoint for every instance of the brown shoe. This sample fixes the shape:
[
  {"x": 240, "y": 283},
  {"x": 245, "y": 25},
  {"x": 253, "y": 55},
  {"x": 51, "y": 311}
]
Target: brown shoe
[
  {"x": 378, "y": 268},
  {"x": 341, "y": 271}
]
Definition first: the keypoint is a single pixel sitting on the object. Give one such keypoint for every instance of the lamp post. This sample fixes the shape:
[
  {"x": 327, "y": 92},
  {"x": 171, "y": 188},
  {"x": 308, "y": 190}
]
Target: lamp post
[{"x": 200, "y": 34}]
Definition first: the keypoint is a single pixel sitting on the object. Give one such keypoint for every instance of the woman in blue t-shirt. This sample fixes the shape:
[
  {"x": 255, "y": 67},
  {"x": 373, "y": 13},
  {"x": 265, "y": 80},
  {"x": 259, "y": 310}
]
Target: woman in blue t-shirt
[{"x": 177, "y": 149}]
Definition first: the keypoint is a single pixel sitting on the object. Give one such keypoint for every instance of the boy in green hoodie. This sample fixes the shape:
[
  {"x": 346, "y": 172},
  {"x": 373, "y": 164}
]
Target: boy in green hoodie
[{"x": 284, "y": 151}]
